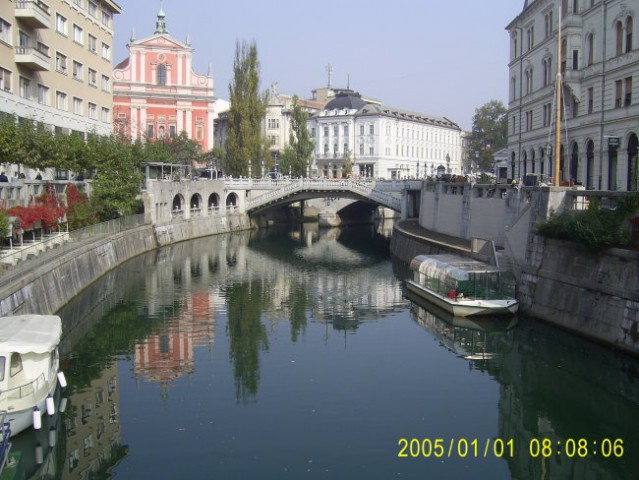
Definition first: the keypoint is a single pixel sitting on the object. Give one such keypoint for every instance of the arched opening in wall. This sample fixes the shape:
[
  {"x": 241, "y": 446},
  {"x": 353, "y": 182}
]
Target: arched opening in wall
[
  {"x": 214, "y": 201},
  {"x": 612, "y": 167},
  {"x": 231, "y": 200},
  {"x": 196, "y": 201},
  {"x": 633, "y": 165},
  {"x": 178, "y": 201},
  {"x": 590, "y": 164},
  {"x": 441, "y": 170},
  {"x": 574, "y": 163}
]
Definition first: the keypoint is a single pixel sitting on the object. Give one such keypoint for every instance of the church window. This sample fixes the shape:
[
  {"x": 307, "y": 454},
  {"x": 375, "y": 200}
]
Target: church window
[{"x": 161, "y": 74}]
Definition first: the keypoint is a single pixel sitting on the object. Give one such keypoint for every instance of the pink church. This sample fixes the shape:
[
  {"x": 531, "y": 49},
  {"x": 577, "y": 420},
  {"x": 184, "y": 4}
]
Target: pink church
[{"x": 156, "y": 93}]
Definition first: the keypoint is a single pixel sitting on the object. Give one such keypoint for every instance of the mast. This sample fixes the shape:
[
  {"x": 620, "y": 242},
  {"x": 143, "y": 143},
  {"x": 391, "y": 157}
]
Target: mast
[{"x": 557, "y": 171}]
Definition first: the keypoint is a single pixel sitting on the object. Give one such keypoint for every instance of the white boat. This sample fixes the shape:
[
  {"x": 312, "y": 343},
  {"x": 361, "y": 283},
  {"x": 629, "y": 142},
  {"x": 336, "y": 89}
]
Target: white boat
[
  {"x": 463, "y": 286},
  {"x": 29, "y": 368}
]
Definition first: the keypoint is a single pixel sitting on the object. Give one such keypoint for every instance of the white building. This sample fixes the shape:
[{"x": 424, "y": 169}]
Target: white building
[
  {"x": 599, "y": 65},
  {"x": 375, "y": 140}
]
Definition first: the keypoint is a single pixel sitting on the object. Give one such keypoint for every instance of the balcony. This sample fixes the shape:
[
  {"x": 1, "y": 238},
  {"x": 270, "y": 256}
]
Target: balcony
[
  {"x": 33, "y": 58},
  {"x": 33, "y": 13}
]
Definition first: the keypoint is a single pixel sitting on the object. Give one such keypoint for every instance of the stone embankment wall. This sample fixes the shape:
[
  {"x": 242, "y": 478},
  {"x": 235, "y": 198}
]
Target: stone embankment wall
[
  {"x": 594, "y": 295},
  {"x": 56, "y": 279}
]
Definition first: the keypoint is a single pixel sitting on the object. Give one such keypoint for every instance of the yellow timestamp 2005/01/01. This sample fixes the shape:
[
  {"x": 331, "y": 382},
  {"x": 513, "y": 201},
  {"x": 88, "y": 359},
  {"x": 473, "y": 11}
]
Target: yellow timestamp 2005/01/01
[
  {"x": 576, "y": 447},
  {"x": 507, "y": 448}
]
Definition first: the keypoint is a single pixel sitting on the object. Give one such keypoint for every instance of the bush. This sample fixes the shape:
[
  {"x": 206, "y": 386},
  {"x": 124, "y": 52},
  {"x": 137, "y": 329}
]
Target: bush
[{"x": 596, "y": 228}]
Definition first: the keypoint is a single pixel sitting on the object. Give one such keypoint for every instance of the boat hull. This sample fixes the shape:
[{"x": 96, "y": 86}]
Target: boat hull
[
  {"x": 21, "y": 420},
  {"x": 464, "y": 307}
]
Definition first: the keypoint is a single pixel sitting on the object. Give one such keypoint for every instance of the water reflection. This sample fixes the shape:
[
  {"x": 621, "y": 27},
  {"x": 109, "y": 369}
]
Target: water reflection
[{"x": 241, "y": 307}]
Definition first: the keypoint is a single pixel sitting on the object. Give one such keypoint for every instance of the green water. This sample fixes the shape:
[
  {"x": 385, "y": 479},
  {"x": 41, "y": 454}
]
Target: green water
[{"x": 295, "y": 354}]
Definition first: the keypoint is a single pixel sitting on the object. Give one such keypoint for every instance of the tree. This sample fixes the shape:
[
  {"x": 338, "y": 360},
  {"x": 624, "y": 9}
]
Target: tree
[
  {"x": 244, "y": 141},
  {"x": 489, "y": 134},
  {"x": 118, "y": 180},
  {"x": 297, "y": 154}
]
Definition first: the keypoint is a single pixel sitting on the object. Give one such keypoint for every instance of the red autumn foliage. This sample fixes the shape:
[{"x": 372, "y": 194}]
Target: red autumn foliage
[{"x": 47, "y": 210}]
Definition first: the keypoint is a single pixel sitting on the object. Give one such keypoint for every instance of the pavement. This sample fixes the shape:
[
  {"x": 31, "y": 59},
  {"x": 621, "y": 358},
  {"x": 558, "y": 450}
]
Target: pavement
[{"x": 412, "y": 227}]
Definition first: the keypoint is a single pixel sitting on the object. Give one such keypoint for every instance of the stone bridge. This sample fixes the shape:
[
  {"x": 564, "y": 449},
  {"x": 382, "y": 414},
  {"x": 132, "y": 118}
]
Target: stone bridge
[{"x": 167, "y": 200}]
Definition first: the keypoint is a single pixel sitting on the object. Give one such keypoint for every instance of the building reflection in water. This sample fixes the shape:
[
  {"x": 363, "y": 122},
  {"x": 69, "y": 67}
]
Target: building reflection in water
[{"x": 577, "y": 394}]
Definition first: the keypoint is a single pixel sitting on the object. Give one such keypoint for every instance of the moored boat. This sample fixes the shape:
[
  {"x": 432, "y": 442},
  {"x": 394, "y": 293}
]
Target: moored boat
[
  {"x": 29, "y": 368},
  {"x": 463, "y": 286}
]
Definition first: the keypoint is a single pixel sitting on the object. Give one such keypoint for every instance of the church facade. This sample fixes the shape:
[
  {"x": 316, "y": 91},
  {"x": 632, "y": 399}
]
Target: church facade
[{"x": 156, "y": 93}]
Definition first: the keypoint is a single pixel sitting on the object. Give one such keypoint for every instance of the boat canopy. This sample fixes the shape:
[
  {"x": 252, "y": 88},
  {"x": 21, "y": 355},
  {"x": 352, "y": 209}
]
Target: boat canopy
[
  {"x": 29, "y": 333},
  {"x": 449, "y": 267}
]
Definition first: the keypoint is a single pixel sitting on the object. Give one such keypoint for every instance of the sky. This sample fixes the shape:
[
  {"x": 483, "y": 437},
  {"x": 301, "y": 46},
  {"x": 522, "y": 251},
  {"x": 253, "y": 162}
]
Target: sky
[{"x": 435, "y": 57}]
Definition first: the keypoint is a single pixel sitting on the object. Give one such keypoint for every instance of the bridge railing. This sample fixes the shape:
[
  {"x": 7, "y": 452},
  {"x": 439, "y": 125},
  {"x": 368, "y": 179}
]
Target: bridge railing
[{"x": 366, "y": 188}]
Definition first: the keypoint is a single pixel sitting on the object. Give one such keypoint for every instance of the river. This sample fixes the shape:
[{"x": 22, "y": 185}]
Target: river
[{"x": 281, "y": 354}]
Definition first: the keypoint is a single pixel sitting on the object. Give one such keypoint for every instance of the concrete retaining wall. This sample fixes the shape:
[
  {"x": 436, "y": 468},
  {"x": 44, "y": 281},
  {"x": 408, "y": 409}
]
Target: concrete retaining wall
[
  {"x": 51, "y": 284},
  {"x": 594, "y": 295}
]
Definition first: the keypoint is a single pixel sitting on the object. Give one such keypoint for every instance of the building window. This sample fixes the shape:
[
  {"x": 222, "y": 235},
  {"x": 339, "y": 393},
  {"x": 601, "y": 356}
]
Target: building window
[
  {"x": 93, "y": 9},
  {"x": 78, "y": 2},
  {"x": 628, "y": 34},
  {"x": 336, "y": 131},
  {"x": 61, "y": 62},
  {"x": 77, "y": 106},
  {"x": 371, "y": 150},
  {"x": 161, "y": 74},
  {"x": 93, "y": 111},
  {"x": 106, "y": 19},
  {"x": 171, "y": 131},
  {"x": 372, "y": 129},
  {"x": 5, "y": 32},
  {"x": 60, "y": 24},
  {"x": 5, "y": 80},
  {"x": 106, "y": 51},
  {"x": 575, "y": 59},
  {"x": 618, "y": 93},
  {"x": 345, "y": 148},
  {"x": 530, "y": 38},
  {"x": 43, "y": 95},
  {"x": 77, "y": 70},
  {"x": 274, "y": 123},
  {"x": 105, "y": 115},
  {"x": 78, "y": 35},
  {"x": 591, "y": 49},
  {"x": 274, "y": 140},
  {"x": 591, "y": 99},
  {"x": 93, "y": 44},
  {"x": 361, "y": 149},
  {"x": 361, "y": 130},
  {"x": 548, "y": 24},
  {"x": 619, "y": 38},
  {"x": 106, "y": 83},
  {"x": 93, "y": 77},
  {"x": 25, "y": 88},
  {"x": 627, "y": 99},
  {"x": 346, "y": 131},
  {"x": 149, "y": 131},
  {"x": 61, "y": 100}
]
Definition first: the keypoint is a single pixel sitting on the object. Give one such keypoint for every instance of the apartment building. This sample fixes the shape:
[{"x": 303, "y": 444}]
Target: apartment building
[
  {"x": 56, "y": 63},
  {"x": 599, "y": 111}
]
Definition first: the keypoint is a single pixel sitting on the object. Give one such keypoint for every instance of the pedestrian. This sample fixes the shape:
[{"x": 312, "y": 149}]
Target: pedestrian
[{"x": 3, "y": 177}]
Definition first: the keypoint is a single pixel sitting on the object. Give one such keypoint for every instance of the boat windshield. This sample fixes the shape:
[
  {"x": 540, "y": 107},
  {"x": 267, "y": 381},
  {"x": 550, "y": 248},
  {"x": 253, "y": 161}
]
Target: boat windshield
[{"x": 488, "y": 285}]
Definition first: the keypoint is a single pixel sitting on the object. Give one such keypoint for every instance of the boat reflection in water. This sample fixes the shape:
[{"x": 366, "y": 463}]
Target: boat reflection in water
[
  {"x": 478, "y": 339},
  {"x": 34, "y": 453}
]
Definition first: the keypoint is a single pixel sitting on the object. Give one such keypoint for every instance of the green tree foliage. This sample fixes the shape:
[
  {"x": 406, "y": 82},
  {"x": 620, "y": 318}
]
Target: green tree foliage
[
  {"x": 489, "y": 134},
  {"x": 118, "y": 179},
  {"x": 244, "y": 142},
  {"x": 9, "y": 142},
  {"x": 296, "y": 156}
]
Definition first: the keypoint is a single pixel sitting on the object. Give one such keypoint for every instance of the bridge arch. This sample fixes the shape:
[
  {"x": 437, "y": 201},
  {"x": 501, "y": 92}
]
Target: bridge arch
[
  {"x": 178, "y": 202},
  {"x": 214, "y": 201},
  {"x": 196, "y": 201},
  {"x": 232, "y": 200}
]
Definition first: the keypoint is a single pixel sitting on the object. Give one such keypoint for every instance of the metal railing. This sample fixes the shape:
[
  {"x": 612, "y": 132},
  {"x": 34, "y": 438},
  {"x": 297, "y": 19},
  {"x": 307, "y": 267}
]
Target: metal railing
[{"x": 23, "y": 258}]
